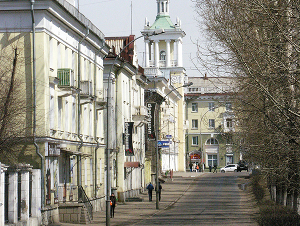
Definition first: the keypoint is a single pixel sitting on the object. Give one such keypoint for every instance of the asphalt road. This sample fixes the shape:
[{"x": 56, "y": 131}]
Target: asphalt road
[{"x": 213, "y": 199}]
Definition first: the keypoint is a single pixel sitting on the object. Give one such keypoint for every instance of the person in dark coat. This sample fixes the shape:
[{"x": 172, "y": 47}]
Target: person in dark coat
[
  {"x": 150, "y": 189},
  {"x": 215, "y": 169},
  {"x": 113, "y": 201},
  {"x": 159, "y": 191}
]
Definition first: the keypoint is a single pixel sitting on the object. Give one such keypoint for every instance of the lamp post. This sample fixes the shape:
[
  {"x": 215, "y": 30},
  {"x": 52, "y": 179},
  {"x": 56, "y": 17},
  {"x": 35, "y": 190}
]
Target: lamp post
[
  {"x": 201, "y": 135},
  {"x": 156, "y": 142},
  {"x": 109, "y": 129}
]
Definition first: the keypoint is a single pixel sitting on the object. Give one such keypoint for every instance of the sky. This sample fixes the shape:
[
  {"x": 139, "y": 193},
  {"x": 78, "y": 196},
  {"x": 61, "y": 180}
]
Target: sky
[{"x": 113, "y": 18}]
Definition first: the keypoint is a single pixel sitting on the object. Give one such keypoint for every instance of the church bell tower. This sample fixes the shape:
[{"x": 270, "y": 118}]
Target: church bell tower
[{"x": 163, "y": 52}]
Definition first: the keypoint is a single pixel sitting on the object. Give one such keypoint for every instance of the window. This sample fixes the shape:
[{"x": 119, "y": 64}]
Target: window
[
  {"x": 211, "y": 123},
  {"x": 194, "y": 107},
  {"x": 211, "y": 106},
  {"x": 91, "y": 171},
  {"x": 212, "y": 160},
  {"x": 51, "y": 110},
  {"x": 229, "y": 123},
  {"x": 66, "y": 113},
  {"x": 162, "y": 7},
  {"x": 195, "y": 140},
  {"x": 162, "y": 55},
  {"x": 59, "y": 106},
  {"x": 64, "y": 168},
  {"x": 212, "y": 141},
  {"x": 194, "y": 123},
  {"x": 228, "y": 106}
]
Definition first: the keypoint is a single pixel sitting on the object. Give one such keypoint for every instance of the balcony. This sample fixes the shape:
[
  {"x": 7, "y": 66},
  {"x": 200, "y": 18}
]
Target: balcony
[
  {"x": 67, "y": 82},
  {"x": 101, "y": 98},
  {"x": 152, "y": 71},
  {"x": 140, "y": 113},
  {"x": 86, "y": 89},
  {"x": 66, "y": 78}
]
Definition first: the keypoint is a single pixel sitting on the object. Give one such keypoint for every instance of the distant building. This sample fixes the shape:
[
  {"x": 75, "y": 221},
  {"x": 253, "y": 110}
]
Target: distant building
[
  {"x": 128, "y": 118},
  {"x": 209, "y": 109},
  {"x": 163, "y": 60}
]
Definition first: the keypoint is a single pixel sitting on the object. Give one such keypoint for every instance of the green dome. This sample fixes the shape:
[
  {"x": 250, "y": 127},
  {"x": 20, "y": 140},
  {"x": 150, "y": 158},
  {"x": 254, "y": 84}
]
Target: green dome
[{"x": 162, "y": 22}]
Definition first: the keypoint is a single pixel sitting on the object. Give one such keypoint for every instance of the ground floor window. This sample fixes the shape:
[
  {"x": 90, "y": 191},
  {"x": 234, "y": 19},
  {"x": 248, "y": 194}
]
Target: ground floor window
[
  {"x": 212, "y": 160},
  {"x": 229, "y": 159}
]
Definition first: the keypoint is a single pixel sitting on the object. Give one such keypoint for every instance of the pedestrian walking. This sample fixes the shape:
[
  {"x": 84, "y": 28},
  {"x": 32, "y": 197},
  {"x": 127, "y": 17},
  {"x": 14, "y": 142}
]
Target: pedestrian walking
[
  {"x": 197, "y": 168},
  {"x": 150, "y": 189},
  {"x": 113, "y": 204},
  {"x": 215, "y": 169},
  {"x": 191, "y": 166},
  {"x": 159, "y": 190},
  {"x": 209, "y": 168},
  {"x": 194, "y": 167}
]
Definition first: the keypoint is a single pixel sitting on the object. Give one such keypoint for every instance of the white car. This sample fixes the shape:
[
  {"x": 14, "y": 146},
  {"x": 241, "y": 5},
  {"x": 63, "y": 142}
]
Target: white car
[{"x": 229, "y": 168}]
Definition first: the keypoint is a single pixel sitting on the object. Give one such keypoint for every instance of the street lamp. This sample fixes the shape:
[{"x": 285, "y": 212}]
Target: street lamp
[
  {"x": 210, "y": 109},
  {"x": 109, "y": 129},
  {"x": 156, "y": 141}
]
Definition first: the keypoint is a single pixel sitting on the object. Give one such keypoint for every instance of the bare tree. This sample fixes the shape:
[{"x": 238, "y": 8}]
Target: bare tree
[
  {"x": 12, "y": 103},
  {"x": 258, "y": 42}
]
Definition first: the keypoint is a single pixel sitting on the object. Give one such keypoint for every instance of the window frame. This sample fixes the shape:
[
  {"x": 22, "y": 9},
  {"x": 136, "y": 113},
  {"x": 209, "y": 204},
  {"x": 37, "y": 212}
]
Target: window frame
[
  {"x": 228, "y": 106},
  {"x": 194, "y": 122},
  {"x": 211, "y": 106},
  {"x": 229, "y": 123},
  {"x": 194, "y": 107},
  {"x": 211, "y": 123},
  {"x": 162, "y": 55},
  {"x": 196, "y": 139}
]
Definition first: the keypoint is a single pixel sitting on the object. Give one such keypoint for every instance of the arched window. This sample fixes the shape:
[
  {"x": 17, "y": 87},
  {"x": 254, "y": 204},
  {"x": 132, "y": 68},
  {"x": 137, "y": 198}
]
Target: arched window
[
  {"x": 212, "y": 141},
  {"x": 162, "y": 55}
]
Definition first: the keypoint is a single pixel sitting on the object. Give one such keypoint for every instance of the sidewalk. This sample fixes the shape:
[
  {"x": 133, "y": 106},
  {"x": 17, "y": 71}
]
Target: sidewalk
[{"x": 134, "y": 213}]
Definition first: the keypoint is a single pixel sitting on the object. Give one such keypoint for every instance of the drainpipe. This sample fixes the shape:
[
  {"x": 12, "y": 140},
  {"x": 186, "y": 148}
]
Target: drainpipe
[
  {"x": 79, "y": 111},
  {"x": 34, "y": 105},
  {"x": 95, "y": 127}
]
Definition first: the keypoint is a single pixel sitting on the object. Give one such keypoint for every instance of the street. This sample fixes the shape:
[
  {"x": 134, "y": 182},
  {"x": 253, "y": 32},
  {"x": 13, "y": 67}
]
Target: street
[
  {"x": 190, "y": 199},
  {"x": 213, "y": 199}
]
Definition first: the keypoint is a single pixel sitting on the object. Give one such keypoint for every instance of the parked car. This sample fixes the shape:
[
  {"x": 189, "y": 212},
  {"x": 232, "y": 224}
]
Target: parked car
[
  {"x": 229, "y": 168},
  {"x": 242, "y": 165}
]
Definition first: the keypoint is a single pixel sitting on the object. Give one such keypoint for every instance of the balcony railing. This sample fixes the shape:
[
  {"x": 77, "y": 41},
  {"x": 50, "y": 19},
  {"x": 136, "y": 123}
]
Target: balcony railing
[
  {"x": 162, "y": 63},
  {"x": 86, "y": 88},
  {"x": 152, "y": 71},
  {"x": 66, "y": 77}
]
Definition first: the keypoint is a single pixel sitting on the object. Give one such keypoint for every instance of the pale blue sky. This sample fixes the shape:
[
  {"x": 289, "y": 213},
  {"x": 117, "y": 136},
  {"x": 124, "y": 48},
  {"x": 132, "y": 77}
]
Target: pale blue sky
[{"x": 113, "y": 18}]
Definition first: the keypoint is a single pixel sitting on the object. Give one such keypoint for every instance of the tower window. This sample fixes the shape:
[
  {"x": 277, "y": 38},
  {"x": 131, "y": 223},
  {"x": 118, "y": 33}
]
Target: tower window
[{"x": 162, "y": 55}]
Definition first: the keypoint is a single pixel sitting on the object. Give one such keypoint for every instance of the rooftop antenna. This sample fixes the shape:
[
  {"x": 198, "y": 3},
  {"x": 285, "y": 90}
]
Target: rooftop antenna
[{"x": 131, "y": 17}]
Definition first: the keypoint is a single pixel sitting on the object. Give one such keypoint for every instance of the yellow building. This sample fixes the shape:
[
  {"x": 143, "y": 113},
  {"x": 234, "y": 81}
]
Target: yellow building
[
  {"x": 61, "y": 69},
  {"x": 211, "y": 133}
]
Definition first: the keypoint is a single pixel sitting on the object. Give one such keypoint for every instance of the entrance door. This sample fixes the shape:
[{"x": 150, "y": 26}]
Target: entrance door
[
  {"x": 229, "y": 159},
  {"x": 212, "y": 160}
]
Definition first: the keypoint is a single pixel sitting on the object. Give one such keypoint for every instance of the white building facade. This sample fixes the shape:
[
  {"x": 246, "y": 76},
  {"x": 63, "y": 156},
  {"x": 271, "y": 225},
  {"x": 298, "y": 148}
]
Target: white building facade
[
  {"x": 63, "y": 84},
  {"x": 163, "y": 58}
]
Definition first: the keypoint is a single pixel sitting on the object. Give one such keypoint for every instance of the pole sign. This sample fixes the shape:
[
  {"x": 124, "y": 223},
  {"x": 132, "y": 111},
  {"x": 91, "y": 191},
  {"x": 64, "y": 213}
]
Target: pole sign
[
  {"x": 169, "y": 136},
  {"x": 150, "y": 121},
  {"x": 128, "y": 139},
  {"x": 163, "y": 143}
]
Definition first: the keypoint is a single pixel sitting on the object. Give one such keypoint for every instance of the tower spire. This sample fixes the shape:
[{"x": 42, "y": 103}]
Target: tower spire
[{"x": 163, "y": 7}]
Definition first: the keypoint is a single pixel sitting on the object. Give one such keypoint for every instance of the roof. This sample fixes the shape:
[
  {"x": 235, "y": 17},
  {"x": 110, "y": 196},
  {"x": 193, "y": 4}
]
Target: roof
[
  {"x": 162, "y": 22},
  {"x": 211, "y": 85}
]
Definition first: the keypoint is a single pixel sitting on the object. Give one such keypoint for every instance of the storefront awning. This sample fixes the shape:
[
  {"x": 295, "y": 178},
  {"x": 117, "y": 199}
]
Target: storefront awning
[{"x": 132, "y": 164}]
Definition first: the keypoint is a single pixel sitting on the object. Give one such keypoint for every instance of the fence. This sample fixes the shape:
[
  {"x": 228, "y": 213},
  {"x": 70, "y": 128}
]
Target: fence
[{"x": 20, "y": 195}]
